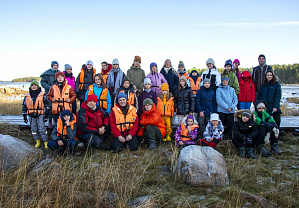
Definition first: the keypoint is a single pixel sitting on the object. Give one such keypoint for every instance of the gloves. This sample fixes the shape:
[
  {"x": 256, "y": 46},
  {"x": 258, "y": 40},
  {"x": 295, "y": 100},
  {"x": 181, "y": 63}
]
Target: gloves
[
  {"x": 276, "y": 132},
  {"x": 248, "y": 141},
  {"x": 267, "y": 138},
  {"x": 25, "y": 118}
]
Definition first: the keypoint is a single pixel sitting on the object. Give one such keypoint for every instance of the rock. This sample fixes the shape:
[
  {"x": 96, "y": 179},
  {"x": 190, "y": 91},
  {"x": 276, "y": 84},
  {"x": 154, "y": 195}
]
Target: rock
[
  {"x": 143, "y": 201},
  {"x": 14, "y": 151},
  {"x": 202, "y": 166},
  {"x": 261, "y": 200},
  {"x": 46, "y": 163}
]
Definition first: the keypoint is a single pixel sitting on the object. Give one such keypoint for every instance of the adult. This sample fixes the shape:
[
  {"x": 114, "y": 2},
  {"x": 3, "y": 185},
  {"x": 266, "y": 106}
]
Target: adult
[
  {"x": 68, "y": 71},
  {"x": 93, "y": 124},
  {"x": 212, "y": 74},
  {"x": 236, "y": 69},
  {"x": 106, "y": 68},
  {"x": 47, "y": 81},
  {"x": 136, "y": 74},
  {"x": 233, "y": 80},
  {"x": 259, "y": 72},
  {"x": 195, "y": 80},
  {"x": 84, "y": 79},
  {"x": 157, "y": 79},
  {"x": 124, "y": 124},
  {"x": 170, "y": 75}
]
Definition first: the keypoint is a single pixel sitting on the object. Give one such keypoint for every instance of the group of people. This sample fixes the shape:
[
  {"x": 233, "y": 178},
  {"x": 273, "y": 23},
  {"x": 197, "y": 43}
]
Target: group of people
[{"x": 141, "y": 109}]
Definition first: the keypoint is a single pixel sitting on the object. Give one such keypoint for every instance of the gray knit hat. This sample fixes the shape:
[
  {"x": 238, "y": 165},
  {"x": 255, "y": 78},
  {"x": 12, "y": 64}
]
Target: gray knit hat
[
  {"x": 115, "y": 61},
  {"x": 181, "y": 63},
  {"x": 246, "y": 113},
  {"x": 210, "y": 61},
  {"x": 206, "y": 80},
  {"x": 183, "y": 78},
  {"x": 89, "y": 62},
  {"x": 67, "y": 66},
  {"x": 148, "y": 101}
]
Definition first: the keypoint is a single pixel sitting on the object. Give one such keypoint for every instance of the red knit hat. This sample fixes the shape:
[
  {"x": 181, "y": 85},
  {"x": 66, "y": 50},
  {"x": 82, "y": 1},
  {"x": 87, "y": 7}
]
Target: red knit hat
[
  {"x": 92, "y": 98},
  {"x": 59, "y": 73}
]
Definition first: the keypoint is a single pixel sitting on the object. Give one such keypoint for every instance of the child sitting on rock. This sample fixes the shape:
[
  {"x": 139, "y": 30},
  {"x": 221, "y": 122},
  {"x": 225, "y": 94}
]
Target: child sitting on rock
[
  {"x": 213, "y": 133},
  {"x": 186, "y": 133}
]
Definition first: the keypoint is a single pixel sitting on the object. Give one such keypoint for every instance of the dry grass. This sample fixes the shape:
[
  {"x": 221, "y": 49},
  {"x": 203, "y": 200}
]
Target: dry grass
[
  {"x": 293, "y": 100},
  {"x": 9, "y": 106}
]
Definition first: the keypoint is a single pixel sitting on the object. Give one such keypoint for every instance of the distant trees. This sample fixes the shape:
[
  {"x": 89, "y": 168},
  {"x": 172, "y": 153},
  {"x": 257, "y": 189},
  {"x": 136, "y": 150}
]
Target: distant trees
[{"x": 27, "y": 79}]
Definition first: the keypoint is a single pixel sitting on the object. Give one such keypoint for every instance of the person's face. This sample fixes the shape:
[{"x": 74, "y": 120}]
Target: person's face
[
  {"x": 225, "y": 82},
  {"x": 34, "y": 87},
  {"x": 207, "y": 84},
  {"x": 182, "y": 82},
  {"x": 215, "y": 122},
  {"x": 154, "y": 69},
  {"x": 194, "y": 74},
  {"x": 122, "y": 102},
  {"x": 210, "y": 66},
  {"x": 97, "y": 80},
  {"x": 66, "y": 117},
  {"x": 262, "y": 60},
  {"x": 55, "y": 66},
  {"x": 269, "y": 76},
  {"x": 261, "y": 109},
  {"x": 126, "y": 84},
  {"x": 245, "y": 119},
  {"x": 92, "y": 104},
  {"x": 89, "y": 66},
  {"x": 148, "y": 107},
  {"x": 167, "y": 64},
  {"x": 181, "y": 68},
  {"x": 60, "y": 78},
  {"x": 236, "y": 65},
  {"x": 115, "y": 66},
  {"x": 228, "y": 67},
  {"x": 164, "y": 92},
  {"x": 147, "y": 86},
  {"x": 69, "y": 71},
  {"x": 136, "y": 63},
  {"x": 190, "y": 122},
  {"x": 104, "y": 66}
]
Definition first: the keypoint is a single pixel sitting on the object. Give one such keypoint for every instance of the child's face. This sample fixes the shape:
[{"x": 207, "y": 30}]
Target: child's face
[
  {"x": 228, "y": 67},
  {"x": 154, "y": 69},
  {"x": 245, "y": 119},
  {"x": 269, "y": 76},
  {"x": 182, "y": 83},
  {"x": 261, "y": 109},
  {"x": 34, "y": 87},
  {"x": 236, "y": 65},
  {"x": 98, "y": 81},
  {"x": 194, "y": 73},
  {"x": 104, "y": 66},
  {"x": 181, "y": 68},
  {"x": 210, "y": 66},
  {"x": 164, "y": 92},
  {"x": 207, "y": 84},
  {"x": 115, "y": 66},
  {"x": 136, "y": 63},
  {"x": 215, "y": 122},
  {"x": 126, "y": 84},
  {"x": 147, "y": 86},
  {"x": 69, "y": 70},
  {"x": 224, "y": 82},
  {"x": 66, "y": 117},
  {"x": 190, "y": 122},
  {"x": 148, "y": 107},
  {"x": 60, "y": 78}
]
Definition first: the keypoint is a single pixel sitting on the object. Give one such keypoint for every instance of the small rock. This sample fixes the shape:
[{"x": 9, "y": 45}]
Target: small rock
[
  {"x": 143, "y": 201},
  {"x": 47, "y": 162}
]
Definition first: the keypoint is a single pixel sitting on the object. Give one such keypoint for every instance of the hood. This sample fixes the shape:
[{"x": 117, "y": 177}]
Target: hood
[
  {"x": 85, "y": 106},
  {"x": 245, "y": 74},
  {"x": 184, "y": 121},
  {"x": 169, "y": 95},
  {"x": 238, "y": 115},
  {"x": 107, "y": 70},
  {"x": 71, "y": 119},
  {"x": 257, "y": 102}
]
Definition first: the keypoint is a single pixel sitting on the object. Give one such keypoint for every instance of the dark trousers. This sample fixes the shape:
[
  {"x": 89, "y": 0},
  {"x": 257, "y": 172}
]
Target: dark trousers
[
  {"x": 277, "y": 118},
  {"x": 152, "y": 133},
  {"x": 202, "y": 121},
  {"x": 263, "y": 132},
  {"x": 91, "y": 140},
  {"x": 227, "y": 121},
  {"x": 118, "y": 146},
  {"x": 68, "y": 145},
  {"x": 238, "y": 140},
  {"x": 74, "y": 107}
]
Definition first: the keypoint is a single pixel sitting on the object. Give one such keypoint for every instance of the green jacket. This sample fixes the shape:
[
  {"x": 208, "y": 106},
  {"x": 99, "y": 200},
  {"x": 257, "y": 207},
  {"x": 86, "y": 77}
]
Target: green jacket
[
  {"x": 265, "y": 117},
  {"x": 137, "y": 76},
  {"x": 233, "y": 81}
]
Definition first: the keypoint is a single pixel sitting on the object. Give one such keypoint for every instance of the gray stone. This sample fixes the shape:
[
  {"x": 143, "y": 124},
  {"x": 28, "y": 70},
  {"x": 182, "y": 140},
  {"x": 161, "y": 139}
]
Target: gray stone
[
  {"x": 46, "y": 163},
  {"x": 14, "y": 152},
  {"x": 202, "y": 166},
  {"x": 143, "y": 201}
]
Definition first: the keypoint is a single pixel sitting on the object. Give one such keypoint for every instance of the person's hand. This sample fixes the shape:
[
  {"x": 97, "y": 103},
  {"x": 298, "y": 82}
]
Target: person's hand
[
  {"x": 68, "y": 100},
  {"x": 248, "y": 141},
  {"x": 189, "y": 128},
  {"x": 201, "y": 114},
  {"x": 128, "y": 137},
  {"x": 274, "y": 110},
  {"x": 67, "y": 123},
  {"x": 53, "y": 100},
  {"x": 229, "y": 109},
  {"x": 211, "y": 139},
  {"x": 181, "y": 143},
  {"x": 25, "y": 118},
  {"x": 121, "y": 139},
  {"x": 102, "y": 130},
  {"x": 276, "y": 132},
  {"x": 60, "y": 143}
]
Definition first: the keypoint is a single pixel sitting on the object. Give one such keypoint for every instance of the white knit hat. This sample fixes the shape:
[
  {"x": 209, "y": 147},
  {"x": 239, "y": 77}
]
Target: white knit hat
[
  {"x": 214, "y": 117},
  {"x": 147, "y": 80}
]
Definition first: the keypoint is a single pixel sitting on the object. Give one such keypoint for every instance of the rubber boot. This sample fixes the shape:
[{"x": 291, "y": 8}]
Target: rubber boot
[
  {"x": 50, "y": 126},
  {"x": 152, "y": 144},
  {"x": 250, "y": 153},
  {"x": 46, "y": 145},
  {"x": 168, "y": 138},
  {"x": 274, "y": 148},
  {"x": 164, "y": 139},
  {"x": 38, "y": 144},
  {"x": 263, "y": 150},
  {"x": 242, "y": 151}
]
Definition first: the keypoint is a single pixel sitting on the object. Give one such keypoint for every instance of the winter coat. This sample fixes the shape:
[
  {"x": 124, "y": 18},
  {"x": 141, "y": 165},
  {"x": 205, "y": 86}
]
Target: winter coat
[
  {"x": 70, "y": 81},
  {"x": 184, "y": 101},
  {"x": 214, "y": 76},
  {"x": 214, "y": 133},
  {"x": 192, "y": 134},
  {"x": 172, "y": 78},
  {"x": 157, "y": 79},
  {"x": 71, "y": 132},
  {"x": 205, "y": 101},
  {"x": 114, "y": 82},
  {"x": 48, "y": 79},
  {"x": 226, "y": 98},
  {"x": 247, "y": 88},
  {"x": 258, "y": 75},
  {"x": 244, "y": 129},
  {"x": 271, "y": 94},
  {"x": 88, "y": 80},
  {"x": 233, "y": 81},
  {"x": 143, "y": 95},
  {"x": 262, "y": 118},
  {"x": 137, "y": 76}
]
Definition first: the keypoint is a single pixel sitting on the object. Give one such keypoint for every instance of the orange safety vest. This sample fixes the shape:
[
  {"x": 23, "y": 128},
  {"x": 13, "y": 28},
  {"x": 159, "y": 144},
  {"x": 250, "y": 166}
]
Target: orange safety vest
[
  {"x": 81, "y": 83},
  {"x": 103, "y": 97},
  {"x": 38, "y": 106},
  {"x": 105, "y": 77},
  {"x": 194, "y": 86},
  {"x": 131, "y": 97},
  {"x": 60, "y": 103},
  {"x": 167, "y": 109},
  {"x": 125, "y": 122},
  {"x": 185, "y": 75},
  {"x": 61, "y": 130},
  {"x": 185, "y": 132}
]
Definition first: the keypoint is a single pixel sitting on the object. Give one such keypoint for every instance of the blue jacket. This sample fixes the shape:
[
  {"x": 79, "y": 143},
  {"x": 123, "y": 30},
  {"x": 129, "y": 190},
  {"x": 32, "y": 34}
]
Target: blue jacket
[
  {"x": 271, "y": 94},
  {"x": 97, "y": 91},
  {"x": 226, "y": 98},
  {"x": 206, "y": 101},
  {"x": 172, "y": 78}
]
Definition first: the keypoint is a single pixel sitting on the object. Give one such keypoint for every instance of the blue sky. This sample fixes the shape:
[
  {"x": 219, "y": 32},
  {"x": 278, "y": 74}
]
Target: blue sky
[{"x": 33, "y": 33}]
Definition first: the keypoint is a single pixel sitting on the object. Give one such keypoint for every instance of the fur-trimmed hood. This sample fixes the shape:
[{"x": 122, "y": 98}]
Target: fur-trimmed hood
[{"x": 238, "y": 115}]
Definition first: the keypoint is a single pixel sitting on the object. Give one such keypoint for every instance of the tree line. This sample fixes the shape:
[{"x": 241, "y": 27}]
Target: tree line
[{"x": 27, "y": 79}]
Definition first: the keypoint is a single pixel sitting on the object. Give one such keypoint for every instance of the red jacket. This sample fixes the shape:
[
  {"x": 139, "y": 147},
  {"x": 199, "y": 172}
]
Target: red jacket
[
  {"x": 90, "y": 121},
  {"x": 152, "y": 117},
  {"x": 247, "y": 88}
]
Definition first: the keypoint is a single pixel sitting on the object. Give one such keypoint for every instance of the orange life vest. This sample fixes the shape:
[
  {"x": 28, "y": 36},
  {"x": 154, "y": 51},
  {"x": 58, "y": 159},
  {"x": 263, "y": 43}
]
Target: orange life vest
[
  {"x": 125, "y": 122},
  {"x": 165, "y": 110},
  {"x": 131, "y": 97},
  {"x": 185, "y": 75},
  {"x": 60, "y": 103},
  {"x": 61, "y": 130},
  {"x": 38, "y": 106},
  {"x": 81, "y": 83},
  {"x": 103, "y": 97},
  {"x": 194, "y": 86},
  {"x": 105, "y": 77},
  {"x": 185, "y": 132}
]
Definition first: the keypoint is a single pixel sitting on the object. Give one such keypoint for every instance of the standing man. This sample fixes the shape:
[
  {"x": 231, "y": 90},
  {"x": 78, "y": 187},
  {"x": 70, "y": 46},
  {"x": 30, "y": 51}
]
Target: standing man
[
  {"x": 136, "y": 74},
  {"x": 259, "y": 72}
]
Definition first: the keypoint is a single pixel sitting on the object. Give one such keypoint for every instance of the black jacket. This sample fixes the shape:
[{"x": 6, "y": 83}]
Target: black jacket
[
  {"x": 172, "y": 78},
  {"x": 248, "y": 129},
  {"x": 184, "y": 101}
]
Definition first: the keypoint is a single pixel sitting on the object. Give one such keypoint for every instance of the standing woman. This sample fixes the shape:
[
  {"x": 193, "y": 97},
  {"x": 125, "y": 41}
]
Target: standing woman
[
  {"x": 157, "y": 79},
  {"x": 171, "y": 75},
  {"x": 70, "y": 81},
  {"x": 270, "y": 92}
]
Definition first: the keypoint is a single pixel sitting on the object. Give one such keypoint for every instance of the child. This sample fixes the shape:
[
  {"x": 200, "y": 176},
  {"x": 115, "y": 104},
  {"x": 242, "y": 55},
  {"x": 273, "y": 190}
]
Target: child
[
  {"x": 213, "y": 132},
  {"x": 36, "y": 106},
  {"x": 186, "y": 133},
  {"x": 212, "y": 74},
  {"x": 236, "y": 69},
  {"x": 64, "y": 134},
  {"x": 233, "y": 80},
  {"x": 267, "y": 128},
  {"x": 165, "y": 106},
  {"x": 245, "y": 133},
  {"x": 195, "y": 80},
  {"x": 136, "y": 74},
  {"x": 147, "y": 93},
  {"x": 99, "y": 88},
  {"x": 70, "y": 81},
  {"x": 205, "y": 104},
  {"x": 61, "y": 95},
  {"x": 128, "y": 89},
  {"x": 157, "y": 79},
  {"x": 247, "y": 91}
]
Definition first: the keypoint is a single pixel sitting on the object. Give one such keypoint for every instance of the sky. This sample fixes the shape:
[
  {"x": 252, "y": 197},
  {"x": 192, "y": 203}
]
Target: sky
[{"x": 34, "y": 33}]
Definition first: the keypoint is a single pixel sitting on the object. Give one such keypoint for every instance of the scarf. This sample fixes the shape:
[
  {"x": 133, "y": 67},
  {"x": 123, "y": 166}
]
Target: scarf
[
  {"x": 147, "y": 90},
  {"x": 118, "y": 81},
  {"x": 105, "y": 71},
  {"x": 167, "y": 69},
  {"x": 124, "y": 109},
  {"x": 34, "y": 94}
]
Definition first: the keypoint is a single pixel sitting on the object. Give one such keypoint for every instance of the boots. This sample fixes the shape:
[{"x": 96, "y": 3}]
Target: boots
[
  {"x": 274, "y": 148},
  {"x": 263, "y": 150},
  {"x": 164, "y": 139},
  {"x": 37, "y": 143},
  {"x": 50, "y": 126},
  {"x": 46, "y": 145},
  {"x": 250, "y": 153},
  {"x": 242, "y": 151},
  {"x": 168, "y": 138},
  {"x": 152, "y": 144}
]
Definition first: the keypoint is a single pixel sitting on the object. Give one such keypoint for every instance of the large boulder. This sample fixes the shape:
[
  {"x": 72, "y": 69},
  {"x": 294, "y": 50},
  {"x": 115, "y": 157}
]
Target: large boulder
[
  {"x": 14, "y": 151},
  {"x": 202, "y": 166}
]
